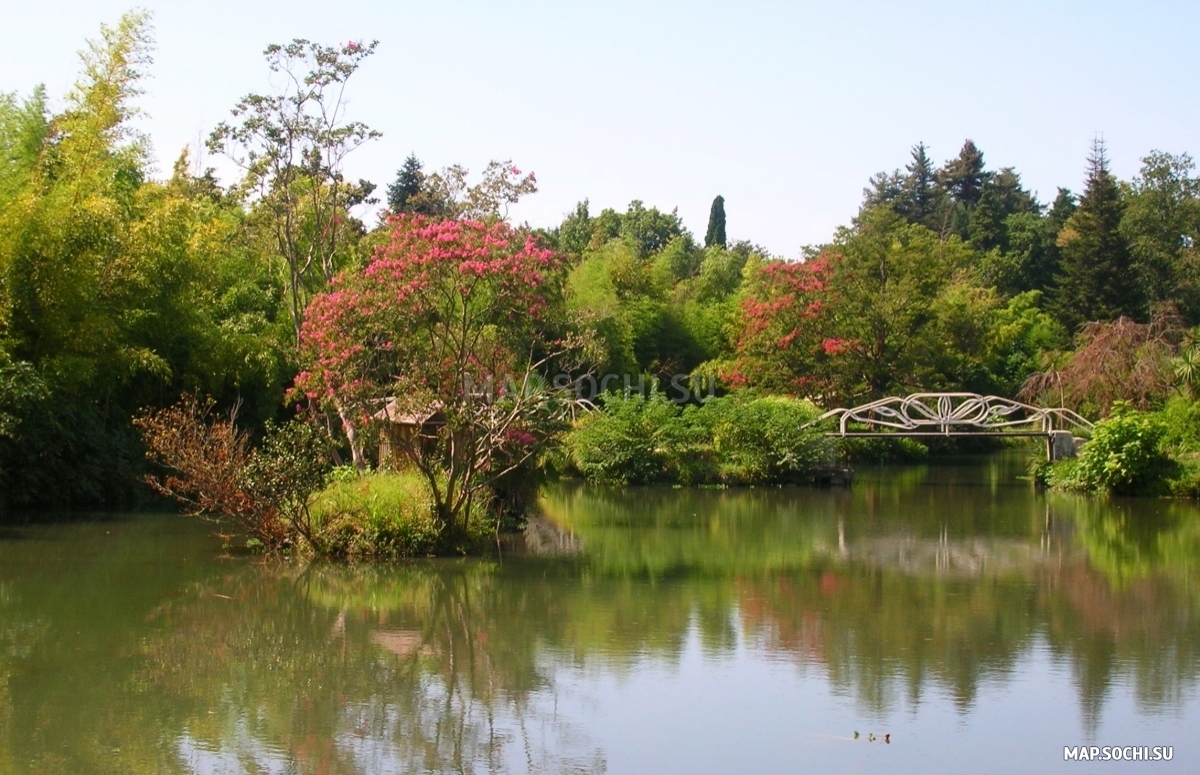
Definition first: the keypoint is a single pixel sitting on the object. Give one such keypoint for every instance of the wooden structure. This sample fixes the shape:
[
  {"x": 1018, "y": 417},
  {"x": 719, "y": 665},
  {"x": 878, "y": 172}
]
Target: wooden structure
[{"x": 404, "y": 431}]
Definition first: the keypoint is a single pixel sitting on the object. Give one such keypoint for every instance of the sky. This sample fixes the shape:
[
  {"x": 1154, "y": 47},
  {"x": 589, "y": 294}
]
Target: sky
[{"x": 784, "y": 108}]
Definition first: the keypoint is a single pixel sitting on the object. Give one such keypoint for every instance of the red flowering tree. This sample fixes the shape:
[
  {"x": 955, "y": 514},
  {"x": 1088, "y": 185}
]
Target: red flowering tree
[
  {"x": 788, "y": 342},
  {"x": 448, "y": 320}
]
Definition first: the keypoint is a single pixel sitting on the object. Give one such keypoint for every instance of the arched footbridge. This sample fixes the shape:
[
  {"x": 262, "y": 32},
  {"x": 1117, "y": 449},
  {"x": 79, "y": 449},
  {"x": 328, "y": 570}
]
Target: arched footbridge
[{"x": 961, "y": 414}]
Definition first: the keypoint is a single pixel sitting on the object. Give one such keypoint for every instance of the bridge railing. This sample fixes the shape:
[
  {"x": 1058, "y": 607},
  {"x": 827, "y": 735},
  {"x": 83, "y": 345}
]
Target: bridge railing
[{"x": 954, "y": 414}]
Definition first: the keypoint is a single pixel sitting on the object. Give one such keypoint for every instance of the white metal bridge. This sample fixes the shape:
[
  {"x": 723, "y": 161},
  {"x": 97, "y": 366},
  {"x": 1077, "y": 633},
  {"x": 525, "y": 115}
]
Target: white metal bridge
[{"x": 960, "y": 414}]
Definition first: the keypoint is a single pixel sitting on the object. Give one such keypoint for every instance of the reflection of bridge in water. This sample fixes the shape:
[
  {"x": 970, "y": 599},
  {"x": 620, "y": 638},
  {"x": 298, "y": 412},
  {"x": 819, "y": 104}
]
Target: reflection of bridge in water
[{"x": 961, "y": 415}]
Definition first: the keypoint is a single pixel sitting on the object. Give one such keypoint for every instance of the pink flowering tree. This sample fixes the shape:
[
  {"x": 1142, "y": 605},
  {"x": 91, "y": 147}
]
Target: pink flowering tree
[
  {"x": 789, "y": 339},
  {"x": 449, "y": 320}
]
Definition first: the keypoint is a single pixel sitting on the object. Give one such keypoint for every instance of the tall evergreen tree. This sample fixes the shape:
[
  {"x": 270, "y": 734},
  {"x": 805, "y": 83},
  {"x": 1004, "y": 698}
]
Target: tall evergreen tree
[
  {"x": 716, "y": 224},
  {"x": 406, "y": 186},
  {"x": 1097, "y": 281},
  {"x": 1010, "y": 194},
  {"x": 987, "y": 229},
  {"x": 919, "y": 194},
  {"x": 963, "y": 177}
]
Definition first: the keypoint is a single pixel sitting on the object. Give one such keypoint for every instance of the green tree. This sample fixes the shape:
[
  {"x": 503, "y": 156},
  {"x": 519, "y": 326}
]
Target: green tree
[
  {"x": 115, "y": 291},
  {"x": 406, "y": 186},
  {"x": 963, "y": 177},
  {"x": 292, "y": 146},
  {"x": 919, "y": 197},
  {"x": 1161, "y": 224},
  {"x": 987, "y": 225},
  {"x": 715, "y": 235},
  {"x": 575, "y": 232},
  {"x": 1097, "y": 281}
]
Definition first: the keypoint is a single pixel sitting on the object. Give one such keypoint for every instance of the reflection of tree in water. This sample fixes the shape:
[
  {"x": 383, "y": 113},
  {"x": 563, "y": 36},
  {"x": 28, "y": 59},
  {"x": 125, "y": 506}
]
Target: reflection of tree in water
[
  {"x": 477, "y": 667},
  {"x": 343, "y": 670},
  {"x": 1132, "y": 596},
  {"x": 886, "y": 587}
]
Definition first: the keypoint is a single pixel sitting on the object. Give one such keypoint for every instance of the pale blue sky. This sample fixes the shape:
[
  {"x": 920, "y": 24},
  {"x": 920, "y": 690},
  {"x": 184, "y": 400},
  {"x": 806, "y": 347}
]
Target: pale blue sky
[{"x": 786, "y": 109}]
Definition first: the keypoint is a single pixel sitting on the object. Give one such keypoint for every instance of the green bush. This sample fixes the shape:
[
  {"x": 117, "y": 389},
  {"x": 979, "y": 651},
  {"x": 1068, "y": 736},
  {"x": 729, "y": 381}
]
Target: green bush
[
  {"x": 764, "y": 440},
  {"x": 636, "y": 440},
  {"x": 1124, "y": 456},
  {"x": 729, "y": 440},
  {"x": 1181, "y": 416},
  {"x": 878, "y": 449},
  {"x": 385, "y": 514}
]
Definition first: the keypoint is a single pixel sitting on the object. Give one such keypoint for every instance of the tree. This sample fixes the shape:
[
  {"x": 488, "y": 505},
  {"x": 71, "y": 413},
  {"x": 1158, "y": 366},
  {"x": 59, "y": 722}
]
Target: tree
[
  {"x": 407, "y": 185},
  {"x": 116, "y": 291},
  {"x": 963, "y": 177},
  {"x": 447, "y": 194},
  {"x": 1161, "y": 224},
  {"x": 291, "y": 146},
  {"x": 715, "y": 235},
  {"x": 450, "y": 317},
  {"x": 987, "y": 229},
  {"x": 919, "y": 191},
  {"x": 575, "y": 232},
  {"x": 1097, "y": 281}
]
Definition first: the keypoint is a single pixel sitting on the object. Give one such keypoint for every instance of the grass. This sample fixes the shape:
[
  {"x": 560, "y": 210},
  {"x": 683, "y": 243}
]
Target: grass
[{"x": 386, "y": 514}]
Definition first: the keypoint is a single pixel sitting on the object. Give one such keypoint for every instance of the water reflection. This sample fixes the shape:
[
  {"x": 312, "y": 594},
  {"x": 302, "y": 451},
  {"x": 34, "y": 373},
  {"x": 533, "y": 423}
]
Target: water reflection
[{"x": 939, "y": 588}]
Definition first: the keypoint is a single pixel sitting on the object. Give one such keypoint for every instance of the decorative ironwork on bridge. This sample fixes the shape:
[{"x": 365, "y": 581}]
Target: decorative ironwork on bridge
[{"x": 954, "y": 414}]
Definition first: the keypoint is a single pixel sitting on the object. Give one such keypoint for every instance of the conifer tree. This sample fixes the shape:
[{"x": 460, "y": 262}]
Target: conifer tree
[
  {"x": 406, "y": 185},
  {"x": 1097, "y": 282},
  {"x": 918, "y": 200},
  {"x": 963, "y": 177},
  {"x": 986, "y": 229},
  {"x": 716, "y": 224}
]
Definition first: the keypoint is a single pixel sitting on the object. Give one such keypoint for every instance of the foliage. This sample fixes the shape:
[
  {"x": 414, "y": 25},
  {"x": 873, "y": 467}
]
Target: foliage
[
  {"x": 715, "y": 234},
  {"x": 117, "y": 292},
  {"x": 381, "y": 515},
  {"x": 204, "y": 458},
  {"x": 291, "y": 146},
  {"x": 765, "y": 439},
  {"x": 1123, "y": 456},
  {"x": 448, "y": 195},
  {"x": 733, "y": 440},
  {"x": 1116, "y": 361},
  {"x": 211, "y": 468},
  {"x": 1096, "y": 264},
  {"x": 403, "y": 191},
  {"x": 453, "y": 318},
  {"x": 1161, "y": 223},
  {"x": 634, "y": 440}
]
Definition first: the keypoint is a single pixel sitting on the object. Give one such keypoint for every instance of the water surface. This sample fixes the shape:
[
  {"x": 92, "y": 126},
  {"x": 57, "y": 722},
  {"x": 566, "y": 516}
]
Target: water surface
[{"x": 983, "y": 626}]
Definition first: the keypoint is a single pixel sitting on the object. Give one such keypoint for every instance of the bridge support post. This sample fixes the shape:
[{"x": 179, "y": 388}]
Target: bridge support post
[{"x": 1060, "y": 445}]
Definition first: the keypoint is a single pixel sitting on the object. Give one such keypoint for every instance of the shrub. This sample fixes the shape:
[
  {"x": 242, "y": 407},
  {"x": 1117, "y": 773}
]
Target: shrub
[
  {"x": 635, "y": 440},
  {"x": 1124, "y": 456},
  {"x": 387, "y": 514},
  {"x": 728, "y": 440},
  {"x": 878, "y": 449},
  {"x": 1181, "y": 418},
  {"x": 765, "y": 440},
  {"x": 210, "y": 467}
]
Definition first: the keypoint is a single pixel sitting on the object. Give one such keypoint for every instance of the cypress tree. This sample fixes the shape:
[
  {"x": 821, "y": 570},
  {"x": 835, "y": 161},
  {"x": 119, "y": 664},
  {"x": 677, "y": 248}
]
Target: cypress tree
[
  {"x": 716, "y": 224},
  {"x": 1097, "y": 280}
]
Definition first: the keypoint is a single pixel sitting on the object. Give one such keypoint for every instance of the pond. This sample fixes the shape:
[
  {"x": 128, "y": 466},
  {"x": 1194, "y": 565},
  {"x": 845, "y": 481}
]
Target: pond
[{"x": 979, "y": 625}]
